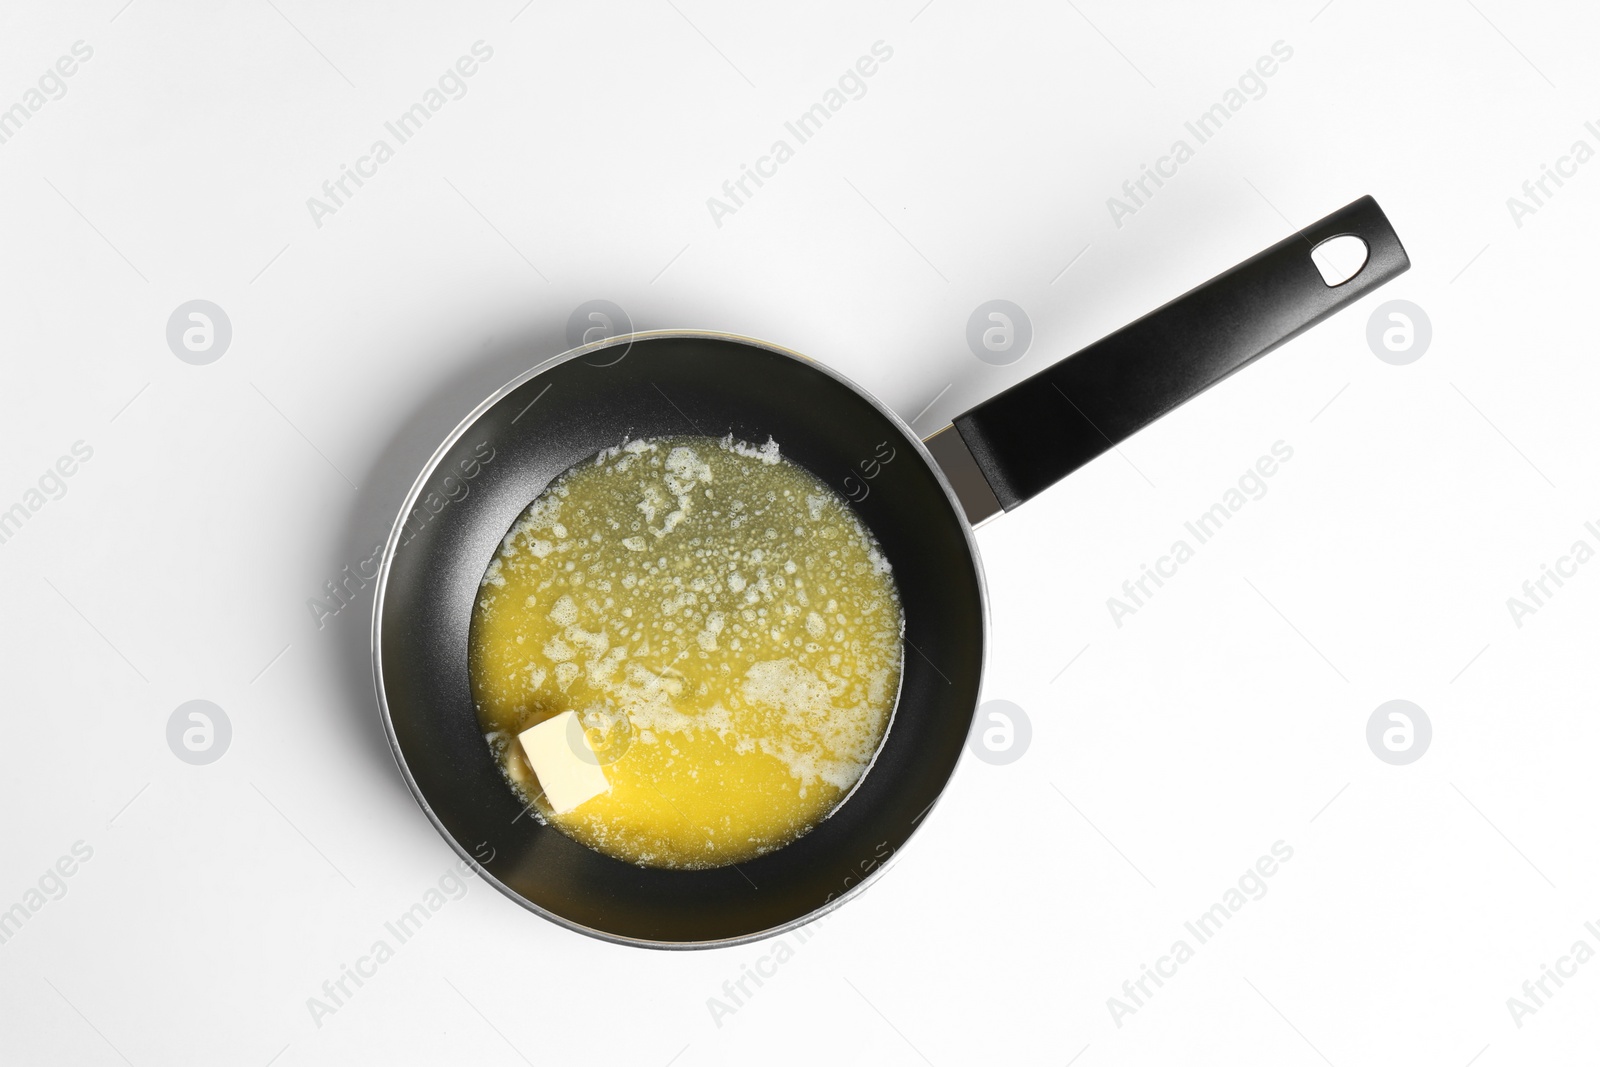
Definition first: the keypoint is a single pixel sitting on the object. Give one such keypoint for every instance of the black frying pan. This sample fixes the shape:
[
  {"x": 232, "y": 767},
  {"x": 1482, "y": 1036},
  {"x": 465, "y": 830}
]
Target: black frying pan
[{"x": 921, "y": 507}]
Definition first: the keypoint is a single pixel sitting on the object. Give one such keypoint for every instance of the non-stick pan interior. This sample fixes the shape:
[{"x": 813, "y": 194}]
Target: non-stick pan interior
[{"x": 505, "y": 457}]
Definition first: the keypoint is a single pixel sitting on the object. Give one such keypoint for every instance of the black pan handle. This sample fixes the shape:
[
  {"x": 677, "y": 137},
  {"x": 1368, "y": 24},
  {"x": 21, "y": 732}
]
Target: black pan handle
[{"x": 1042, "y": 429}]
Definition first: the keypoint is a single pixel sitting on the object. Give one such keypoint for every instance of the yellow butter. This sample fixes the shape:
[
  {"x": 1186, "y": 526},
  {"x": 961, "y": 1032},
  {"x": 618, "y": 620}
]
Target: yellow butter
[
  {"x": 566, "y": 766},
  {"x": 719, "y": 624}
]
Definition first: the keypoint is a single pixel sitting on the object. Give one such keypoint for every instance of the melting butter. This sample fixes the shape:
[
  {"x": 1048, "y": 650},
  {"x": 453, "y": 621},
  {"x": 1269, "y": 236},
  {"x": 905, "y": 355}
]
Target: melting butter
[{"x": 722, "y": 625}]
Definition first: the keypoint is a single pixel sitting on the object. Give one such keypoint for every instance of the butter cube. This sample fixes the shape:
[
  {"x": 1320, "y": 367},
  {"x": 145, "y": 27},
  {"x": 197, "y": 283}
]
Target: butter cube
[{"x": 568, "y": 770}]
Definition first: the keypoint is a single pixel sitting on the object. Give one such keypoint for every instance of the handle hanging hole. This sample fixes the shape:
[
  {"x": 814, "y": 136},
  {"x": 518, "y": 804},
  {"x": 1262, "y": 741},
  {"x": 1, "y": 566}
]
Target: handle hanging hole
[{"x": 1339, "y": 259}]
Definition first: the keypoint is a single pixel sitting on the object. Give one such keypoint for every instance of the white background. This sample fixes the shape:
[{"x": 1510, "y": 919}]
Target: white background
[{"x": 1227, "y": 714}]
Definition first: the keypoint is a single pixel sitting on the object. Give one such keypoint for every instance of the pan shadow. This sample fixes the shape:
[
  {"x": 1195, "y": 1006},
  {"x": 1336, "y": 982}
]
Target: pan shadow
[{"x": 464, "y": 382}]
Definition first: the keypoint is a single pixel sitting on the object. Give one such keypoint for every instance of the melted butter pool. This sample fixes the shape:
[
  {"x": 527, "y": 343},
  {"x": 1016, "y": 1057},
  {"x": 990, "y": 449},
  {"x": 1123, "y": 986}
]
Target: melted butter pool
[{"x": 724, "y": 626}]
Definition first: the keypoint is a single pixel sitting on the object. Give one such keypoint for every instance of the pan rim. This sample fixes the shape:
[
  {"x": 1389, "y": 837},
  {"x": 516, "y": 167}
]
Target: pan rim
[{"x": 391, "y": 545}]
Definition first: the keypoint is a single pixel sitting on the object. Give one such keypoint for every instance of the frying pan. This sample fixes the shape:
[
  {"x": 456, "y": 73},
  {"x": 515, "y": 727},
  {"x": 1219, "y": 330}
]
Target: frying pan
[{"x": 922, "y": 507}]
